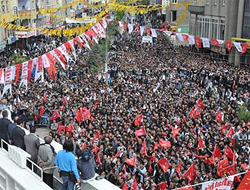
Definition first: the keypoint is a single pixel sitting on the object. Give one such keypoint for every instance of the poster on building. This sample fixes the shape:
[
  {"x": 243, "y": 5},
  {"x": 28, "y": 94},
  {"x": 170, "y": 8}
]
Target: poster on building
[
  {"x": 165, "y": 3},
  {"x": 220, "y": 184}
]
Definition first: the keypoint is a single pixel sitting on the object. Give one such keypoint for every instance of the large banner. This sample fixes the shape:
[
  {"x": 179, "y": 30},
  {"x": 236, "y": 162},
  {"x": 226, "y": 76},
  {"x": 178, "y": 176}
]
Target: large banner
[{"x": 220, "y": 184}]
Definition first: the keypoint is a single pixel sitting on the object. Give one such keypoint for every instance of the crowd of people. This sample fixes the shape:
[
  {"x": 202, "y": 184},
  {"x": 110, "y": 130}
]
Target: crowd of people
[{"x": 161, "y": 83}]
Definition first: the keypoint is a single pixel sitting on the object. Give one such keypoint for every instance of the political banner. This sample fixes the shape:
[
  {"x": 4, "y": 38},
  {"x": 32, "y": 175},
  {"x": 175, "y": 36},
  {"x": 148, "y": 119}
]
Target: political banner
[{"x": 220, "y": 184}]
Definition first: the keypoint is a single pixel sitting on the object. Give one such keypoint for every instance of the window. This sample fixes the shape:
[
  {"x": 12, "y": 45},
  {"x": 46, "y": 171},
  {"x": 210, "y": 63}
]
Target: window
[
  {"x": 173, "y": 16},
  {"x": 223, "y": 2},
  {"x": 215, "y": 2},
  {"x": 174, "y": 1}
]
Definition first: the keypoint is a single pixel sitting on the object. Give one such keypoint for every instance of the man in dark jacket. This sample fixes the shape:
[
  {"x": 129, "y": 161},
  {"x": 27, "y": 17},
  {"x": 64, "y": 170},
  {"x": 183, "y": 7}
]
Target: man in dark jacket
[
  {"x": 18, "y": 134},
  {"x": 4, "y": 122},
  {"x": 86, "y": 165}
]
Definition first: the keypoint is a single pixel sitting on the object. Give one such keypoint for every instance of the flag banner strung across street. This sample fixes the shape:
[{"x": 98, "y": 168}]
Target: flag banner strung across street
[{"x": 224, "y": 183}]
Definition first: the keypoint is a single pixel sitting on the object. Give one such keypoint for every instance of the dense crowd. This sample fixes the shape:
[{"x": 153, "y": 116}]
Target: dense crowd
[{"x": 161, "y": 82}]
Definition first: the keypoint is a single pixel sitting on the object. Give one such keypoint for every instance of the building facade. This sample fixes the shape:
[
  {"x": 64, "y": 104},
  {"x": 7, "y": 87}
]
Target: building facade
[{"x": 223, "y": 20}]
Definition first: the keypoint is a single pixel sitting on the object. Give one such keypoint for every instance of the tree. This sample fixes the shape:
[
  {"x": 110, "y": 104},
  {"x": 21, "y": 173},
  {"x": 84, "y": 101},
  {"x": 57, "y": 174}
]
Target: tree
[{"x": 243, "y": 114}]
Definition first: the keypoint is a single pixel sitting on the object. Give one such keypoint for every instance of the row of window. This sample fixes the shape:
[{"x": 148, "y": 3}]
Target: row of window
[{"x": 214, "y": 2}]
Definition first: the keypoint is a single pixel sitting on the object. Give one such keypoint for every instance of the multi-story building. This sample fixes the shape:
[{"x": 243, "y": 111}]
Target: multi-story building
[
  {"x": 172, "y": 13},
  {"x": 223, "y": 20}
]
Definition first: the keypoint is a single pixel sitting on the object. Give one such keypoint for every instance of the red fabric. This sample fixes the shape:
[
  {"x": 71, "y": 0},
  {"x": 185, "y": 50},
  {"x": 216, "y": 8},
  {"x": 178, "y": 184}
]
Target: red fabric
[
  {"x": 61, "y": 128},
  {"x": 97, "y": 136},
  {"x": 234, "y": 83},
  {"x": 51, "y": 58},
  {"x": 64, "y": 101},
  {"x": 40, "y": 64},
  {"x": 52, "y": 69},
  {"x": 164, "y": 164},
  {"x": 144, "y": 148},
  {"x": 118, "y": 154},
  {"x": 216, "y": 152},
  {"x": 83, "y": 146},
  {"x": 30, "y": 68},
  {"x": 244, "y": 185},
  {"x": 124, "y": 168},
  {"x": 134, "y": 184},
  {"x": 68, "y": 47},
  {"x": 125, "y": 186},
  {"x": 60, "y": 55},
  {"x": 156, "y": 146},
  {"x": 88, "y": 36},
  {"x": 185, "y": 37},
  {"x": 95, "y": 149},
  {"x": 125, "y": 26},
  {"x": 178, "y": 169},
  {"x": 78, "y": 116},
  {"x": 69, "y": 129},
  {"x": 131, "y": 161},
  {"x": 85, "y": 113},
  {"x": 209, "y": 161},
  {"x": 55, "y": 115},
  {"x": 36, "y": 116},
  {"x": 18, "y": 67},
  {"x": 138, "y": 120},
  {"x": 198, "y": 41},
  {"x": 228, "y": 152},
  {"x": 80, "y": 44},
  {"x": 200, "y": 104},
  {"x": 183, "y": 119},
  {"x": 223, "y": 129},
  {"x": 137, "y": 28},
  {"x": 162, "y": 186},
  {"x": 221, "y": 166},
  {"x": 164, "y": 144},
  {"x": 200, "y": 157},
  {"x": 190, "y": 174},
  {"x": 41, "y": 111},
  {"x": 230, "y": 133},
  {"x": 215, "y": 42},
  {"x": 244, "y": 48},
  {"x": 148, "y": 31},
  {"x": 98, "y": 160},
  {"x": 229, "y": 45},
  {"x": 45, "y": 98},
  {"x": 185, "y": 188},
  {"x": 200, "y": 143},
  {"x": 175, "y": 131},
  {"x": 150, "y": 170},
  {"x": 219, "y": 117},
  {"x": 194, "y": 112},
  {"x": 140, "y": 132}
]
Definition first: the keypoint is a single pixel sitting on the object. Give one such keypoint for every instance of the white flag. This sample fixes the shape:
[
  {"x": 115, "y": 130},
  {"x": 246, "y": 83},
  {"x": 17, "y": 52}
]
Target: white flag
[
  {"x": 104, "y": 22},
  {"x": 238, "y": 46},
  {"x": 130, "y": 28},
  {"x": 191, "y": 40},
  {"x": 220, "y": 41},
  {"x": 46, "y": 63},
  {"x": 154, "y": 34},
  {"x": 141, "y": 30},
  {"x": 206, "y": 43},
  {"x": 179, "y": 36}
]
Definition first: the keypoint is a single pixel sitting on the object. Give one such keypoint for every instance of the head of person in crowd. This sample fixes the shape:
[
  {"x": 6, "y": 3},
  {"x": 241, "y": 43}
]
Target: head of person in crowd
[
  {"x": 68, "y": 146},
  {"x": 47, "y": 139}
]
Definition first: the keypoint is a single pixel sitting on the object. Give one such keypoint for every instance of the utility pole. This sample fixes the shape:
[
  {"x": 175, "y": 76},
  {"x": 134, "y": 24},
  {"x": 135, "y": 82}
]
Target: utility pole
[{"x": 106, "y": 51}]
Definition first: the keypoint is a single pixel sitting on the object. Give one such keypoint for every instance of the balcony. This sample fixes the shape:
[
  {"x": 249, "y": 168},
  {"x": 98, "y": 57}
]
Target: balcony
[{"x": 196, "y": 9}]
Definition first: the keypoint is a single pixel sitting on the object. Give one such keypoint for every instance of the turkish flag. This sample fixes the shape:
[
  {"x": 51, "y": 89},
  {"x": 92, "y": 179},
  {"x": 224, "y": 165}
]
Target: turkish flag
[
  {"x": 221, "y": 165},
  {"x": 214, "y": 41},
  {"x": 134, "y": 184},
  {"x": 175, "y": 131},
  {"x": 45, "y": 97},
  {"x": 97, "y": 136},
  {"x": 209, "y": 161},
  {"x": 144, "y": 148},
  {"x": 118, "y": 154},
  {"x": 198, "y": 42},
  {"x": 30, "y": 68},
  {"x": 148, "y": 30},
  {"x": 200, "y": 143},
  {"x": 162, "y": 186},
  {"x": 229, "y": 45},
  {"x": 156, "y": 146},
  {"x": 95, "y": 149},
  {"x": 245, "y": 183},
  {"x": 219, "y": 117},
  {"x": 131, "y": 161},
  {"x": 98, "y": 160},
  {"x": 200, "y": 104},
  {"x": 178, "y": 169},
  {"x": 230, "y": 133},
  {"x": 138, "y": 120},
  {"x": 61, "y": 128},
  {"x": 164, "y": 144},
  {"x": 69, "y": 129},
  {"x": 55, "y": 115},
  {"x": 194, "y": 112},
  {"x": 216, "y": 152},
  {"x": 190, "y": 174},
  {"x": 84, "y": 145},
  {"x": 228, "y": 152},
  {"x": 41, "y": 111},
  {"x": 78, "y": 116},
  {"x": 125, "y": 186},
  {"x": 244, "y": 48},
  {"x": 18, "y": 67},
  {"x": 140, "y": 132},
  {"x": 223, "y": 129},
  {"x": 163, "y": 162},
  {"x": 85, "y": 113}
]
